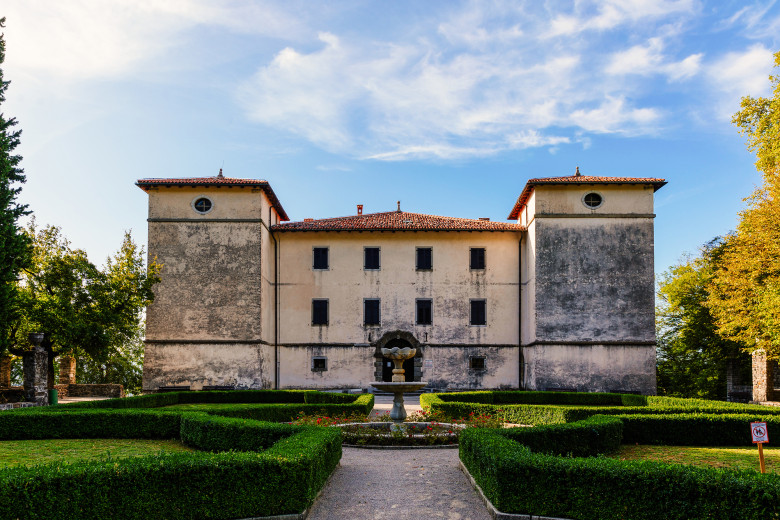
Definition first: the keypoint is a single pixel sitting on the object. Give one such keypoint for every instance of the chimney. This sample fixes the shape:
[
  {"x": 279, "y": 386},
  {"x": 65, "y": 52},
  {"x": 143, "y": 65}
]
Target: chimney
[
  {"x": 308, "y": 220},
  {"x": 360, "y": 209},
  {"x": 577, "y": 173},
  {"x": 399, "y": 206}
]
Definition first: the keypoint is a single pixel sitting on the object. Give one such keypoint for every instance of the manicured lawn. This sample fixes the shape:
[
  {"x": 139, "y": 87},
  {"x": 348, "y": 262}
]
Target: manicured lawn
[
  {"x": 17, "y": 453},
  {"x": 742, "y": 457}
]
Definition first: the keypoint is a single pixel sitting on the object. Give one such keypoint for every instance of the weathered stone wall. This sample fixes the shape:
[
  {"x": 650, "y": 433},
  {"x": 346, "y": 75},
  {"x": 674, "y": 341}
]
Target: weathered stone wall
[
  {"x": 210, "y": 281},
  {"x": 590, "y": 368},
  {"x": 90, "y": 390},
  {"x": 67, "y": 370},
  {"x": 5, "y": 371},
  {"x": 594, "y": 280},
  {"x": 202, "y": 364},
  {"x": 35, "y": 366},
  {"x": 763, "y": 377}
]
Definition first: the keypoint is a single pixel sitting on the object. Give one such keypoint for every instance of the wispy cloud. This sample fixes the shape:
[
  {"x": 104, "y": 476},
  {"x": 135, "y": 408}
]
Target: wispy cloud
[{"x": 738, "y": 74}]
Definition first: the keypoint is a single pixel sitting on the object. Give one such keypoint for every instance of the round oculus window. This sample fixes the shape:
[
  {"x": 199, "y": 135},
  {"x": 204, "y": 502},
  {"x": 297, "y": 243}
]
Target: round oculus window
[
  {"x": 202, "y": 205},
  {"x": 592, "y": 200}
]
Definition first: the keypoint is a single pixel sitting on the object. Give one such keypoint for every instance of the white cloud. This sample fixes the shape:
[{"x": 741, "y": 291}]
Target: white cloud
[
  {"x": 648, "y": 59},
  {"x": 738, "y": 74},
  {"x": 603, "y": 15},
  {"x": 92, "y": 39}
]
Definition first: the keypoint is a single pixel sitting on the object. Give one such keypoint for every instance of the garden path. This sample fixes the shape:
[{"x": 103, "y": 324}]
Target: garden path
[{"x": 398, "y": 484}]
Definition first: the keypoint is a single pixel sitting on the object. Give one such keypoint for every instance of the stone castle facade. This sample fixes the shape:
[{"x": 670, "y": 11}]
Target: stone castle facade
[{"x": 560, "y": 297}]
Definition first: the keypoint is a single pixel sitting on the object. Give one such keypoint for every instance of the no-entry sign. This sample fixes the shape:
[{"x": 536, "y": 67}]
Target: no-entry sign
[{"x": 759, "y": 432}]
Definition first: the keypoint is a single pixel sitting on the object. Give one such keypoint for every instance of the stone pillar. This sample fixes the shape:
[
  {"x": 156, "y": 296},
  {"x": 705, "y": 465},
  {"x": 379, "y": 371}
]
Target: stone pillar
[
  {"x": 763, "y": 377},
  {"x": 36, "y": 372},
  {"x": 67, "y": 370},
  {"x": 5, "y": 371}
]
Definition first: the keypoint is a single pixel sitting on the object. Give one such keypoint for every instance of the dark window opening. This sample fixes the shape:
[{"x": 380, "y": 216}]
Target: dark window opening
[
  {"x": 478, "y": 312},
  {"x": 477, "y": 258},
  {"x": 477, "y": 362},
  {"x": 371, "y": 258},
  {"x": 202, "y": 205},
  {"x": 424, "y": 312},
  {"x": 592, "y": 200},
  {"x": 319, "y": 364},
  {"x": 424, "y": 258},
  {"x": 320, "y": 258},
  {"x": 319, "y": 312},
  {"x": 370, "y": 312}
]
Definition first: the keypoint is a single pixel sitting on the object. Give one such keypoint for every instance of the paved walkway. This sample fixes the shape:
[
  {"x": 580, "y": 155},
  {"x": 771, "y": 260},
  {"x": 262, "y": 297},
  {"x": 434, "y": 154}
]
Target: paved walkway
[{"x": 398, "y": 484}]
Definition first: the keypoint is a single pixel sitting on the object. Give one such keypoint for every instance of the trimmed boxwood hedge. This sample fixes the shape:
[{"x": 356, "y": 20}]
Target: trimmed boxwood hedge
[
  {"x": 460, "y": 405},
  {"x": 274, "y": 468},
  {"x": 518, "y": 480},
  {"x": 270, "y": 405},
  {"x": 249, "y": 468}
]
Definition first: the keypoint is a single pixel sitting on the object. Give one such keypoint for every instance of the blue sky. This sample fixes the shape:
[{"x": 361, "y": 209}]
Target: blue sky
[{"x": 448, "y": 106}]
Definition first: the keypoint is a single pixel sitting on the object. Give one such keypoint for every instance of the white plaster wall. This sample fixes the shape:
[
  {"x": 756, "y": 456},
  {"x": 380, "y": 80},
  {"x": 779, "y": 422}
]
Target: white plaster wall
[
  {"x": 619, "y": 198},
  {"x": 229, "y": 202},
  {"x": 450, "y": 285},
  {"x": 348, "y": 367}
]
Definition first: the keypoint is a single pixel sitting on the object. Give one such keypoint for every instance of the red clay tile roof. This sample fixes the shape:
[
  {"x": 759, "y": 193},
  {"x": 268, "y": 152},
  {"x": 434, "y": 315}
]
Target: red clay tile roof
[
  {"x": 218, "y": 181},
  {"x": 397, "y": 221},
  {"x": 578, "y": 179}
]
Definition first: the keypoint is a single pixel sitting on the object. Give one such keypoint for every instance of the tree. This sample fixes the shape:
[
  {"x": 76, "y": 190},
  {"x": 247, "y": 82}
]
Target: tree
[
  {"x": 14, "y": 245},
  {"x": 745, "y": 297},
  {"x": 81, "y": 309},
  {"x": 692, "y": 356}
]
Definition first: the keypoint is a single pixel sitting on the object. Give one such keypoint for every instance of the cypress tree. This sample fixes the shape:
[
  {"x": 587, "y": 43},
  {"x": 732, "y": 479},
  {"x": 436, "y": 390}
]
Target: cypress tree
[{"x": 14, "y": 244}]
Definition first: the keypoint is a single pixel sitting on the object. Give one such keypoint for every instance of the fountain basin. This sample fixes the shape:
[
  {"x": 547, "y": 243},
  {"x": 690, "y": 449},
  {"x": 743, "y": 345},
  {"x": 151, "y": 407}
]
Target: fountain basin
[
  {"x": 398, "y": 413},
  {"x": 405, "y": 434}
]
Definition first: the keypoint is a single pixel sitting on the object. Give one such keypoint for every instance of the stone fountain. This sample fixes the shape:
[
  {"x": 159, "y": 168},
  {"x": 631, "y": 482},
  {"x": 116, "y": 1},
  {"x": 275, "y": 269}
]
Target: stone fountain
[{"x": 399, "y": 385}]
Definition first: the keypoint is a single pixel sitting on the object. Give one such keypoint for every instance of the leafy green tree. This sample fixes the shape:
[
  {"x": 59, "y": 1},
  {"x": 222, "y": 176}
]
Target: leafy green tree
[
  {"x": 745, "y": 295},
  {"x": 14, "y": 245},
  {"x": 692, "y": 356},
  {"x": 81, "y": 309}
]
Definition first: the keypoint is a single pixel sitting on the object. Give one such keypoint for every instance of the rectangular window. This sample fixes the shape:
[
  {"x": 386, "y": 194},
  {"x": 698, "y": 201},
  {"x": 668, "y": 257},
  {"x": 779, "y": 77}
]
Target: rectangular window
[
  {"x": 424, "y": 312},
  {"x": 424, "y": 258},
  {"x": 319, "y": 364},
  {"x": 477, "y": 362},
  {"x": 319, "y": 312},
  {"x": 370, "y": 312},
  {"x": 477, "y": 260},
  {"x": 370, "y": 258},
  {"x": 478, "y": 312},
  {"x": 320, "y": 258}
]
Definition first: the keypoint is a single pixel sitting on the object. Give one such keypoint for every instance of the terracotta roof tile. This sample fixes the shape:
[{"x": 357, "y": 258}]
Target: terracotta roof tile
[
  {"x": 218, "y": 181},
  {"x": 578, "y": 179},
  {"x": 397, "y": 221}
]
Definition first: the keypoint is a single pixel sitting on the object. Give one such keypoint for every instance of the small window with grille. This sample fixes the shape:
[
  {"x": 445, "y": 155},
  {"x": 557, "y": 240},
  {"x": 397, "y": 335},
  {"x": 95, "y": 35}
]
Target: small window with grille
[{"x": 319, "y": 364}]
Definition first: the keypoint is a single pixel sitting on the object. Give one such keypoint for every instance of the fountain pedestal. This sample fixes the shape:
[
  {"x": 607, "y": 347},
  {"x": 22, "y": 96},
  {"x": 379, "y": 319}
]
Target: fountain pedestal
[{"x": 399, "y": 385}]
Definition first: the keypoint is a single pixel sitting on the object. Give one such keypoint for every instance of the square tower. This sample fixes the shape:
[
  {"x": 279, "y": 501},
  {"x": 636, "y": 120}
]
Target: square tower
[
  {"x": 211, "y": 323},
  {"x": 588, "y": 283}
]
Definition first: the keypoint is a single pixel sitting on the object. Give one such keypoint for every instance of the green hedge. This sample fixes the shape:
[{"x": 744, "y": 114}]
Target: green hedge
[
  {"x": 39, "y": 423},
  {"x": 517, "y": 480},
  {"x": 455, "y": 406},
  {"x": 593, "y": 436},
  {"x": 693, "y": 429},
  {"x": 283, "y": 479}
]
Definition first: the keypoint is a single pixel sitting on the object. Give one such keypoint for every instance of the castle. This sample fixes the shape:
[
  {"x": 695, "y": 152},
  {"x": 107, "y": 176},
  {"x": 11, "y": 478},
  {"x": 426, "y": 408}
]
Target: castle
[{"x": 560, "y": 297}]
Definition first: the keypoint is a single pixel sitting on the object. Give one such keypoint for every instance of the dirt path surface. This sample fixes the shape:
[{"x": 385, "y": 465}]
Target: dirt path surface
[{"x": 398, "y": 485}]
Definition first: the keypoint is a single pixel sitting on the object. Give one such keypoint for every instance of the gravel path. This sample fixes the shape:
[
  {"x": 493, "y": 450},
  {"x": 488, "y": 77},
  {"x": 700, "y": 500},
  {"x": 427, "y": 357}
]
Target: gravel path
[{"x": 398, "y": 485}]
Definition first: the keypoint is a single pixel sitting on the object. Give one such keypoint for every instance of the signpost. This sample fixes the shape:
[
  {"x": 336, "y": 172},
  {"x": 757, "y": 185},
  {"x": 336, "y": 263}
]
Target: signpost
[{"x": 760, "y": 435}]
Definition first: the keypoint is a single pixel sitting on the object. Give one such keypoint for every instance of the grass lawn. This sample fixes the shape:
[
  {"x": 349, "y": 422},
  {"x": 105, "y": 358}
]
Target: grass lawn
[
  {"x": 742, "y": 457},
  {"x": 18, "y": 453}
]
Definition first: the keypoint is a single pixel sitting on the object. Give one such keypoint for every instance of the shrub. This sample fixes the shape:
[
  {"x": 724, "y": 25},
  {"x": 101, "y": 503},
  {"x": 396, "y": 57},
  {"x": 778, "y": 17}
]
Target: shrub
[
  {"x": 283, "y": 479},
  {"x": 595, "y": 435},
  {"x": 693, "y": 429},
  {"x": 517, "y": 480},
  {"x": 38, "y": 423}
]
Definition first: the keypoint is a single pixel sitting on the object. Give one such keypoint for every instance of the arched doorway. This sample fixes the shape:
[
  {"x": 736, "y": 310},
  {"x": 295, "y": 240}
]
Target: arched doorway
[{"x": 384, "y": 366}]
